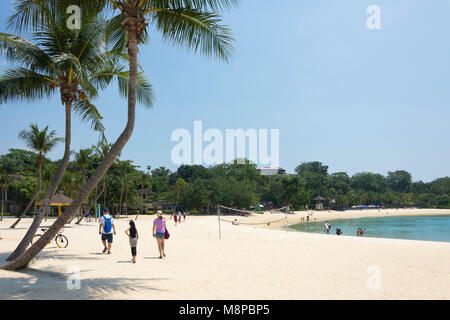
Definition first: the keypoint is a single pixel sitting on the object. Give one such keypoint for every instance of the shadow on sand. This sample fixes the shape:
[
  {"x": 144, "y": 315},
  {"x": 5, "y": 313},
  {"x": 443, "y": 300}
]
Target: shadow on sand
[{"x": 34, "y": 284}]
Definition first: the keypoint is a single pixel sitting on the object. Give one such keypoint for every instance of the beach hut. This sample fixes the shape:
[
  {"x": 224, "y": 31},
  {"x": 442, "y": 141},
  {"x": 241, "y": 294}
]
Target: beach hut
[
  {"x": 59, "y": 200},
  {"x": 332, "y": 203},
  {"x": 319, "y": 203}
]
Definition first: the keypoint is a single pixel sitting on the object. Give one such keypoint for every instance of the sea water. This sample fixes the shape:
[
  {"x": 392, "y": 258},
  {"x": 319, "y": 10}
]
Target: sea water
[{"x": 429, "y": 228}]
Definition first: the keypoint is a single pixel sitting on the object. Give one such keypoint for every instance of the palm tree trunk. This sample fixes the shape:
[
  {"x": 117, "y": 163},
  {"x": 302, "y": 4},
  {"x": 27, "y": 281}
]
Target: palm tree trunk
[
  {"x": 50, "y": 192},
  {"x": 3, "y": 201},
  {"x": 23, "y": 260},
  {"x": 104, "y": 193},
  {"x": 121, "y": 198},
  {"x": 38, "y": 191},
  {"x": 126, "y": 200}
]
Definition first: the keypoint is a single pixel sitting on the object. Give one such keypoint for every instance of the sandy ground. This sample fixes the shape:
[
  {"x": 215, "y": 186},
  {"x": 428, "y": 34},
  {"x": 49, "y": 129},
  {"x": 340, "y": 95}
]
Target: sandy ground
[{"x": 249, "y": 262}]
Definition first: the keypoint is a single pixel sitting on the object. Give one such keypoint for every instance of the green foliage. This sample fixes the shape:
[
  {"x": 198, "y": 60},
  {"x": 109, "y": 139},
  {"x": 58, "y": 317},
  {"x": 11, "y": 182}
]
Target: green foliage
[
  {"x": 19, "y": 162},
  {"x": 399, "y": 181},
  {"x": 234, "y": 185}
]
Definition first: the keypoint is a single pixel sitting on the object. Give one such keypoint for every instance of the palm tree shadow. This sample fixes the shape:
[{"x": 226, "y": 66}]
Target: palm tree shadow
[
  {"x": 34, "y": 284},
  {"x": 3, "y": 257}
]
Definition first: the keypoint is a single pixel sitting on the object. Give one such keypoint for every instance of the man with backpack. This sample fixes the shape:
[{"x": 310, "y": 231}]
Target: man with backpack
[{"x": 106, "y": 229}]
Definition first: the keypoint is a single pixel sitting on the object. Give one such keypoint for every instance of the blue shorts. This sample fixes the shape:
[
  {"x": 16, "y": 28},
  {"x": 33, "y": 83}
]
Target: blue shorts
[
  {"x": 107, "y": 236},
  {"x": 160, "y": 235}
]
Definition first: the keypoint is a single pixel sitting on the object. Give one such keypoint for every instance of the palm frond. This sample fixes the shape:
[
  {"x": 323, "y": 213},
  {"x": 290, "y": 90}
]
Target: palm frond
[
  {"x": 89, "y": 113},
  {"x": 144, "y": 90},
  {"x": 204, "y": 5},
  {"x": 23, "y": 84},
  {"x": 23, "y": 52},
  {"x": 196, "y": 30}
]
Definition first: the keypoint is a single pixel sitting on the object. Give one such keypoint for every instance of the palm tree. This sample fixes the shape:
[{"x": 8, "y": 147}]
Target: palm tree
[
  {"x": 42, "y": 142},
  {"x": 124, "y": 168},
  {"x": 83, "y": 160},
  {"x": 4, "y": 181},
  {"x": 101, "y": 149},
  {"x": 77, "y": 62},
  {"x": 192, "y": 24}
]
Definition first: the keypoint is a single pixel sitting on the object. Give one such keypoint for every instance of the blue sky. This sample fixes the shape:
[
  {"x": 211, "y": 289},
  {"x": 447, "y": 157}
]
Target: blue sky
[{"x": 353, "y": 98}]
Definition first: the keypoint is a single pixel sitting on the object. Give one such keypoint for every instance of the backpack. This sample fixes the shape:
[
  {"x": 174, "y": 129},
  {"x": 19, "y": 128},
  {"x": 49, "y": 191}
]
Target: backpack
[{"x": 108, "y": 225}]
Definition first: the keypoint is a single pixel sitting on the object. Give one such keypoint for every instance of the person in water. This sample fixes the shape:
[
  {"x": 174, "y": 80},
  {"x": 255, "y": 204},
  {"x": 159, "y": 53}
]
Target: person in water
[
  {"x": 159, "y": 231},
  {"x": 133, "y": 236}
]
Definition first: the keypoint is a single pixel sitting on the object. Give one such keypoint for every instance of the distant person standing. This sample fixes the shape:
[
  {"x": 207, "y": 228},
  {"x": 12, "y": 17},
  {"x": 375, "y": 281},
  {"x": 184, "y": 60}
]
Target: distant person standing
[
  {"x": 159, "y": 231},
  {"x": 179, "y": 216},
  {"x": 133, "y": 236},
  {"x": 327, "y": 227},
  {"x": 107, "y": 229},
  {"x": 175, "y": 218}
]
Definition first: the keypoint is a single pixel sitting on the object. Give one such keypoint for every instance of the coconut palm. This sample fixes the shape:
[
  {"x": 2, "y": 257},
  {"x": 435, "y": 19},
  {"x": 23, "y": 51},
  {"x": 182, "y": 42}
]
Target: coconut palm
[
  {"x": 4, "y": 181},
  {"x": 77, "y": 62},
  {"x": 101, "y": 150},
  {"x": 41, "y": 141},
  {"x": 124, "y": 168},
  {"x": 83, "y": 159},
  {"x": 192, "y": 24}
]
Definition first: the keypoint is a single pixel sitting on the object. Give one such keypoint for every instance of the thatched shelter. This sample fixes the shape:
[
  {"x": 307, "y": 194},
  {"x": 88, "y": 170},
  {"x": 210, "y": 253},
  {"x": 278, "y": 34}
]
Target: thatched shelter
[
  {"x": 59, "y": 200},
  {"x": 319, "y": 202}
]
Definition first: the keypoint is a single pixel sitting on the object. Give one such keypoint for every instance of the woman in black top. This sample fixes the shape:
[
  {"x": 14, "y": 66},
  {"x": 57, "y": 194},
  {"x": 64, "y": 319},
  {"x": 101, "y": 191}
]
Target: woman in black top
[{"x": 133, "y": 235}]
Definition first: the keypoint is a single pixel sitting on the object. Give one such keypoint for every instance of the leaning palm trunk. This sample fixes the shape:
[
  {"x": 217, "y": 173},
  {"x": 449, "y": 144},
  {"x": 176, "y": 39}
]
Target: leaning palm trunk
[
  {"x": 33, "y": 199},
  {"x": 23, "y": 245},
  {"x": 132, "y": 23}
]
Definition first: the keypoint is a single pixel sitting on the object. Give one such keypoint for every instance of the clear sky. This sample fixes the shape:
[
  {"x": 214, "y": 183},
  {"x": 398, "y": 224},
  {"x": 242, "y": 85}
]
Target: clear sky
[{"x": 355, "y": 99}]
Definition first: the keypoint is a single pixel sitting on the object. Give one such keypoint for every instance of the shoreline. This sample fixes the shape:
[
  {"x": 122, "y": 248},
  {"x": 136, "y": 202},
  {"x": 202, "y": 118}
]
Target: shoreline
[{"x": 317, "y": 216}]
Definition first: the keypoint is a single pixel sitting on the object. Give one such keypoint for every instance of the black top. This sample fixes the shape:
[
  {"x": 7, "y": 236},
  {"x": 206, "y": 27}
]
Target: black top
[{"x": 133, "y": 233}]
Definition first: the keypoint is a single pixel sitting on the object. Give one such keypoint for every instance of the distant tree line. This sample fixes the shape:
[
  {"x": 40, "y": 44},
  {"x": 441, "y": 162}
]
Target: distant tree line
[{"x": 196, "y": 187}]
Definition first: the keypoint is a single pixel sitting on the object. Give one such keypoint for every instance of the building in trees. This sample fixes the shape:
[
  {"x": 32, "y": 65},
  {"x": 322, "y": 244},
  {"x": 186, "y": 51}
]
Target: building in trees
[
  {"x": 319, "y": 202},
  {"x": 271, "y": 171}
]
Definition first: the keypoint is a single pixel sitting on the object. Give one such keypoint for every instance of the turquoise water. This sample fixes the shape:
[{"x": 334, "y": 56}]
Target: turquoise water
[{"x": 430, "y": 228}]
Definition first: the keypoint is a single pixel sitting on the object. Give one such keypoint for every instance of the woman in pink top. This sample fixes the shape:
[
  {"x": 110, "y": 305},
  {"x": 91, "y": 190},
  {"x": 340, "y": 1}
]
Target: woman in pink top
[{"x": 159, "y": 230}]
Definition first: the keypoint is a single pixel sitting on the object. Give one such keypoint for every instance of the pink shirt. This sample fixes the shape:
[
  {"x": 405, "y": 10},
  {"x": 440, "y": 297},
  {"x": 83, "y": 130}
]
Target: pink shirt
[{"x": 160, "y": 225}]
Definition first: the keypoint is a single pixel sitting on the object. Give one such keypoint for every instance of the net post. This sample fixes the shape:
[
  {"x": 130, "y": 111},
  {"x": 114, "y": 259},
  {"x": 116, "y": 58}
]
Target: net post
[{"x": 218, "y": 218}]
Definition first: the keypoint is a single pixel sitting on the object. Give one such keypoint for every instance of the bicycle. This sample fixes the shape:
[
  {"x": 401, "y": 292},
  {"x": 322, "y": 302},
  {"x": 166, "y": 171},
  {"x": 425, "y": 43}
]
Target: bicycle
[{"x": 60, "y": 239}]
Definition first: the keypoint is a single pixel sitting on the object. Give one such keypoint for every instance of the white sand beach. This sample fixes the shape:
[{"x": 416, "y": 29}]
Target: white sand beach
[{"x": 249, "y": 262}]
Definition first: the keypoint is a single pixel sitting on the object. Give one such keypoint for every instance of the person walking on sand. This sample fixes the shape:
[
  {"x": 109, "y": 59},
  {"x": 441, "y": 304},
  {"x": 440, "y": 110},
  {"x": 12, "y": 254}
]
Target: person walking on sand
[
  {"x": 133, "y": 236},
  {"x": 106, "y": 229},
  {"x": 159, "y": 231}
]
